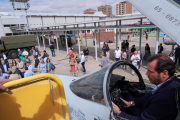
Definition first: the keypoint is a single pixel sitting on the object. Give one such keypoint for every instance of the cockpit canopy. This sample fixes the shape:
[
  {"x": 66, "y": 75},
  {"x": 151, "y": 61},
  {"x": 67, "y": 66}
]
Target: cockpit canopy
[{"x": 91, "y": 86}]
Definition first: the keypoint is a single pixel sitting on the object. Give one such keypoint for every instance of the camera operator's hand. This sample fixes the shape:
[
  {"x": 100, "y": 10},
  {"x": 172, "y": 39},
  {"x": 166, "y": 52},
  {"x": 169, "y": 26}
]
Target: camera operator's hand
[{"x": 2, "y": 81}]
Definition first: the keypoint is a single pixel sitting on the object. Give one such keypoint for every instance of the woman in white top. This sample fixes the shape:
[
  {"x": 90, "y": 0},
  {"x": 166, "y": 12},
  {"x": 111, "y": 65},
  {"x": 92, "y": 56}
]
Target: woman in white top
[
  {"x": 135, "y": 59},
  {"x": 171, "y": 56}
]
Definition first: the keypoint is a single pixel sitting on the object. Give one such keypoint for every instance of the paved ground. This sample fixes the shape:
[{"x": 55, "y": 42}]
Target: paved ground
[{"x": 62, "y": 64}]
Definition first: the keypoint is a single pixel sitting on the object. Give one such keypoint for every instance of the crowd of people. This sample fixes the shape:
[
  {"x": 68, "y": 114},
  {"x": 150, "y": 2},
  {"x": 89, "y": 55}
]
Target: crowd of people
[
  {"x": 44, "y": 64},
  {"x": 22, "y": 66}
]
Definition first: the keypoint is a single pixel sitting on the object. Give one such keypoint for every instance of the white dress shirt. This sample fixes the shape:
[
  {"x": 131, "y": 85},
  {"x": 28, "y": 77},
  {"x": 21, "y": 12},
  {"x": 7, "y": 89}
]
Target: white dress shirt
[
  {"x": 135, "y": 56},
  {"x": 5, "y": 68},
  {"x": 82, "y": 58},
  {"x": 4, "y": 56},
  {"x": 118, "y": 53},
  {"x": 25, "y": 53}
]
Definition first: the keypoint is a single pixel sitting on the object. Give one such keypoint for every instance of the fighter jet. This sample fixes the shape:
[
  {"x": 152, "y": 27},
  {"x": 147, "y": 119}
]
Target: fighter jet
[
  {"x": 44, "y": 96},
  {"x": 90, "y": 97}
]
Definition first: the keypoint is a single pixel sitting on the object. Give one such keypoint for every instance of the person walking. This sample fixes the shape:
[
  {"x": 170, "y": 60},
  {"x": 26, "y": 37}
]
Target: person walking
[
  {"x": 117, "y": 54},
  {"x": 48, "y": 66},
  {"x": 123, "y": 45},
  {"x": 69, "y": 52},
  {"x": 160, "y": 48},
  {"x": 128, "y": 37},
  {"x": 127, "y": 44},
  {"x": 72, "y": 64},
  {"x": 52, "y": 50},
  {"x": 77, "y": 65},
  {"x": 127, "y": 51},
  {"x": 42, "y": 67},
  {"x": 141, "y": 58},
  {"x": 132, "y": 49},
  {"x": 86, "y": 53},
  {"x": 164, "y": 37},
  {"x": 37, "y": 50},
  {"x": 20, "y": 66},
  {"x": 104, "y": 49},
  {"x": 36, "y": 60},
  {"x": 135, "y": 59},
  {"x": 124, "y": 57},
  {"x": 147, "y": 51},
  {"x": 107, "y": 51},
  {"x": 33, "y": 51},
  {"x": 63, "y": 43},
  {"x": 104, "y": 61},
  {"x": 147, "y": 36},
  {"x": 83, "y": 61}
]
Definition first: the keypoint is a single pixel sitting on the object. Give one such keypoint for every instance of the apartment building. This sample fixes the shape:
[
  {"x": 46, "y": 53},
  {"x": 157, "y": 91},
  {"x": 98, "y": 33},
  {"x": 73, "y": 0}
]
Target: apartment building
[{"x": 123, "y": 8}]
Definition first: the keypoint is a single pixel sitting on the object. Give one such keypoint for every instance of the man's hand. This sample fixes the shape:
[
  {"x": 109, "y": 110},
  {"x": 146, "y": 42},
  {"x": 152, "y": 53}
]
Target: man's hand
[
  {"x": 126, "y": 103},
  {"x": 115, "y": 108},
  {"x": 2, "y": 81}
]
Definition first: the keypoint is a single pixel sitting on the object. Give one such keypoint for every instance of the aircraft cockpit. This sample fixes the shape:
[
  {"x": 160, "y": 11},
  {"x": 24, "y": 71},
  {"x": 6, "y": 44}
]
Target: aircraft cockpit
[
  {"x": 125, "y": 81},
  {"x": 107, "y": 85}
]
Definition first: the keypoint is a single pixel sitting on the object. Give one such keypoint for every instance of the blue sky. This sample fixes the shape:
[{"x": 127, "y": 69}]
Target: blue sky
[{"x": 61, "y": 6}]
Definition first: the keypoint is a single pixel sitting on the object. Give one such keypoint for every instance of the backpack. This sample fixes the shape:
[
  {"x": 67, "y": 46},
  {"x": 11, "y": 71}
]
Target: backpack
[{"x": 53, "y": 67}]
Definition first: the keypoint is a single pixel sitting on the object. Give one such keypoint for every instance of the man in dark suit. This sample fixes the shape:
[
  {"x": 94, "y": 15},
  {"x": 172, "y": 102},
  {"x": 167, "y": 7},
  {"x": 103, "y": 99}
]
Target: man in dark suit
[
  {"x": 160, "y": 48},
  {"x": 161, "y": 103},
  {"x": 4, "y": 67},
  {"x": 4, "y": 56}
]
